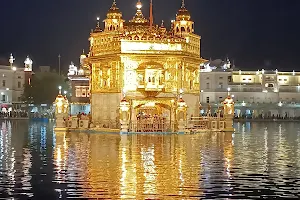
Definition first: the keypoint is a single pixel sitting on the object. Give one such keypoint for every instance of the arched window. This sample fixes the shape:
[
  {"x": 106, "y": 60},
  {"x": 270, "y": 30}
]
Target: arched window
[
  {"x": 182, "y": 29},
  {"x": 177, "y": 30}
]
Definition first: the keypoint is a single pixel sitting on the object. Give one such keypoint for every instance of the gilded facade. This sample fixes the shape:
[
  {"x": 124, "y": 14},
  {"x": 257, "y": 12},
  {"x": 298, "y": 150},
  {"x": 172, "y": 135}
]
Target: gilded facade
[{"x": 143, "y": 61}]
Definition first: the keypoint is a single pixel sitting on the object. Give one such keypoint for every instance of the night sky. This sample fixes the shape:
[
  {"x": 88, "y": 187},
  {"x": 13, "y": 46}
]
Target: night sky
[{"x": 254, "y": 33}]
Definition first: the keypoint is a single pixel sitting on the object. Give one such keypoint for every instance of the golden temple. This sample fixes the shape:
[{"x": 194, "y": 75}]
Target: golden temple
[{"x": 146, "y": 63}]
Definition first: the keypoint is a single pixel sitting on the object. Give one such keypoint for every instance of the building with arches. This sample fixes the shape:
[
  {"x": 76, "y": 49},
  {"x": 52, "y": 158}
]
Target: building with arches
[{"x": 149, "y": 64}]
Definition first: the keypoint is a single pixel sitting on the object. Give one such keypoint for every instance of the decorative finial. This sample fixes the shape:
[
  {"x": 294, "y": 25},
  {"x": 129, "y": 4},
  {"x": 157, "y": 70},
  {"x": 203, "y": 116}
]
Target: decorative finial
[
  {"x": 11, "y": 59},
  {"x": 180, "y": 93},
  {"x": 82, "y": 51},
  {"x": 162, "y": 23},
  {"x": 98, "y": 22},
  {"x": 182, "y": 4},
  {"x": 139, "y": 5},
  {"x": 228, "y": 91},
  {"x": 124, "y": 93},
  {"x": 59, "y": 89}
]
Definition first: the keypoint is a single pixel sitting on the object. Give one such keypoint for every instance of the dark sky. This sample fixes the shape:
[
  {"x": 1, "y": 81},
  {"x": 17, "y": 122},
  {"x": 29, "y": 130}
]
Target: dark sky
[{"x": 252, "y": 32}]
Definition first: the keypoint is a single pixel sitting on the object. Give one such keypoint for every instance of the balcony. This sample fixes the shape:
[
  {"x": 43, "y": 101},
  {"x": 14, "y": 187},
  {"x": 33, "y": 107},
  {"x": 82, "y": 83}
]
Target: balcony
[{"x": 288, "y": 88}]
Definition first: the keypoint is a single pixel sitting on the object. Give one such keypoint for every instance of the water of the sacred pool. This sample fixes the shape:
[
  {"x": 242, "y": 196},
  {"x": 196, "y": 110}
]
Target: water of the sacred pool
[{"x": 259, "y": 160}]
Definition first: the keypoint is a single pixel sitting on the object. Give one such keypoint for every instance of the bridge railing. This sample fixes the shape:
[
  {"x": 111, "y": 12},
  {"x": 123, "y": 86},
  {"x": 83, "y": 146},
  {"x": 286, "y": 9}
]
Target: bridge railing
[{"x": 155, "y": 126}]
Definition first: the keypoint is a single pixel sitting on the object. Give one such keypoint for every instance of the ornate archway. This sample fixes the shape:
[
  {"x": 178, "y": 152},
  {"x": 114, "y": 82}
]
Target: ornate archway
[{"x": 152, "y": 115}]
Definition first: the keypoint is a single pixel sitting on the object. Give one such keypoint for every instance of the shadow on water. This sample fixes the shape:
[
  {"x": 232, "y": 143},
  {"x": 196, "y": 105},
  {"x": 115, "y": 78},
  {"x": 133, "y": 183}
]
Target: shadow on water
[{"x": 260, "y": 161}]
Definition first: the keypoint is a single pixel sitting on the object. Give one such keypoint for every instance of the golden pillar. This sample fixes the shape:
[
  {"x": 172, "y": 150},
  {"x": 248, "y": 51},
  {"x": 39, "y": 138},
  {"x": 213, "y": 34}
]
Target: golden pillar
[
  {"x": 124, "y": 115},
  {"x": 181, "y": 113},
  {"x": 228, "y": 114}
]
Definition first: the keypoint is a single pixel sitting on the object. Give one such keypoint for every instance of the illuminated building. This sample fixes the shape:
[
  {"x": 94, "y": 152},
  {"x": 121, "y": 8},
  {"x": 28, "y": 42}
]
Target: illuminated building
[
  {"x": 12, "y": 80},
  {"x": 79, "y": 81},
  {"x": 264, "y": 93},
  {"x": 148, "y": 63}
]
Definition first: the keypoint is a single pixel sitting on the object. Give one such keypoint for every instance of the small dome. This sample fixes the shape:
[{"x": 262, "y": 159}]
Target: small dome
[
  {"x": 183, "y": 14},
  {"x": 114, "y": 9}
]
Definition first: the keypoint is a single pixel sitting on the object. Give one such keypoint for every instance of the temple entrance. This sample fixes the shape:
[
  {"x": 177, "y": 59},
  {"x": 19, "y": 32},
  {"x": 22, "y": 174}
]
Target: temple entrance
[{"x": 152, "y": 117}]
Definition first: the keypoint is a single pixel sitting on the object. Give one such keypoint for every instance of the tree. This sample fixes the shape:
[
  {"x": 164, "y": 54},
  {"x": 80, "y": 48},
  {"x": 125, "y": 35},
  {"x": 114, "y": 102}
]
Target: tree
[{"x": 43, "y": 88}]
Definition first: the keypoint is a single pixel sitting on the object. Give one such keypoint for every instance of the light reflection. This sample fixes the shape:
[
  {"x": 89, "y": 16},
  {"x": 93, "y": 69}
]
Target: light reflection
[
  {"x": 7, "y": 161},
  {"x": 149, "y": 170},
  {"x": 181, "y": 177},
  {"x": 107, "y": 166},
  {"x": 43, "y": 137},
  {"x": 26, "y": 178},
  {"x": 60, "y": 157},
  {"x": 128, "y": 182}
]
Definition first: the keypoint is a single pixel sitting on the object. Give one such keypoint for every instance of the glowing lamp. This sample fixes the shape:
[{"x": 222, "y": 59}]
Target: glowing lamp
[
  {"x": 243, "y": 104},
  {"x": 11, "y": 59},
  {"x": 139, "y": 5},
  {"x": 28, "y": 64}
]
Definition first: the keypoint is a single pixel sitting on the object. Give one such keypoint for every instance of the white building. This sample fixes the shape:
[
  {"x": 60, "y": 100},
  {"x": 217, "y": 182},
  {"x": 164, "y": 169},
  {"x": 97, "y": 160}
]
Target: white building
[
  {"x": 12, "y": 80},
  {"x": 258, "y": 93}
]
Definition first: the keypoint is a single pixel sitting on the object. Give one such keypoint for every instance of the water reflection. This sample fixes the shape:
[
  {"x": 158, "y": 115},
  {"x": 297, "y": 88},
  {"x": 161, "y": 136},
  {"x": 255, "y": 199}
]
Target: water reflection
[{"x": 260, "y": 160}]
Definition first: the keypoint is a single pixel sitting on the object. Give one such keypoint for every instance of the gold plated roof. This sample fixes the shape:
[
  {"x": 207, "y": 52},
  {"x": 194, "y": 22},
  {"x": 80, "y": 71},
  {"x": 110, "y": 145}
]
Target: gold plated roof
[
  {"x": 183, "y": 13},
  {"x": 114, "y": 12},
  {"x": 139, "y": 17}
]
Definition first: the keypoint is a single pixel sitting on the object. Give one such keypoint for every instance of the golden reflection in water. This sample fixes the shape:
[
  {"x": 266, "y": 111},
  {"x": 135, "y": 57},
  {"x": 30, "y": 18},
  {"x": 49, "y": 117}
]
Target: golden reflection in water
[
  {"x": 60, "y": 156},
  {"x": 128, "y": 178},
  {"x": 149, "y": 170},
  {"x": 139, "y": 166},
  {"x": 228, "y": 152}
]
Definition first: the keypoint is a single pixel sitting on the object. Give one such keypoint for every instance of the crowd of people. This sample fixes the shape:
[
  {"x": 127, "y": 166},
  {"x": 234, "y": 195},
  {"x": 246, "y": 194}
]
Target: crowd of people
[{"x": 14, "y": 114}]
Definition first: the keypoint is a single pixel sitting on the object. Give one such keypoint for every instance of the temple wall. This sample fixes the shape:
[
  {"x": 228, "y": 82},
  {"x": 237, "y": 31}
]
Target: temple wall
[{"x": 105, "y": 109}]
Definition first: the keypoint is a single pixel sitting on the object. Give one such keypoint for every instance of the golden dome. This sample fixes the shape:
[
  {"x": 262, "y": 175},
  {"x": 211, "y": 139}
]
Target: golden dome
[
  {"x": 139, "y": 17},
  {"x": 183, "y": 13},
  {"x": 114, "y": 11}
]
